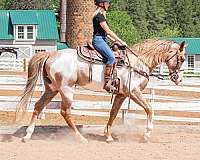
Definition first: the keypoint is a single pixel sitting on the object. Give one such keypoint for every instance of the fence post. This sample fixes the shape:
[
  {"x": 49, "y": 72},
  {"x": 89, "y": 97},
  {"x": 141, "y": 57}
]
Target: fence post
[
  {"x": 152, "y": 94},
  {"x": 24, "y": 64},
  {"x": 123, "y": 116}
]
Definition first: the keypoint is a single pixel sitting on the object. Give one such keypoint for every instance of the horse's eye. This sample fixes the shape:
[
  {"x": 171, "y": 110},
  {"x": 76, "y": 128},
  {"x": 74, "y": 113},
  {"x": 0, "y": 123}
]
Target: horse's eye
[{"x": 181, "y": 59}]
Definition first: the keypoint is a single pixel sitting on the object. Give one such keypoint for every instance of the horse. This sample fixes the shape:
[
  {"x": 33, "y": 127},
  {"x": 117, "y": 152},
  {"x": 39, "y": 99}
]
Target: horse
[{"x": 63, "y": 69}]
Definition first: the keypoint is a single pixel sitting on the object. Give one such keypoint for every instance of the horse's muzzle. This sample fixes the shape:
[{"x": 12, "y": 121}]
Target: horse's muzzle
[{"x": 175, "y": 78}]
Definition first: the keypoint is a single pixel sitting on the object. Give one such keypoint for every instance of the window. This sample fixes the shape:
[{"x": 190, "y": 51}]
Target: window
[
  {"x": 25, "y": 32},
  {"x": 39, "y": 50},
  {"x": 191, "y": 61},
  {"x": 29, "y": 32},
  {"x": 20, "y": 32}
]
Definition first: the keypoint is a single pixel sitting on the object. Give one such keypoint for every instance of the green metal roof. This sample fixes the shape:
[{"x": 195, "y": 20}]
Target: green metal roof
[
  {"x": 6, "y": 31},
  {"x": 61, "y": 46},
  {"x": 47, "y": 26},
  {"x": 44, "y": 19},
  {"x": 193, "y": 44},
  {"x": 23, "y": 17}
]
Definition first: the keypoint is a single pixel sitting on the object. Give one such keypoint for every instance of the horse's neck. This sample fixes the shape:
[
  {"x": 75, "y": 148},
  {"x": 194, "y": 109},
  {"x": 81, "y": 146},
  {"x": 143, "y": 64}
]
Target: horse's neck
[
  {"x": 141, "y": 66},
  {"x": 150, "y": 62}
]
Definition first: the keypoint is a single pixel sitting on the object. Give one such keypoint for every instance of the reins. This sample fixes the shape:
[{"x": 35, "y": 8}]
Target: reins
[{"x": 131, "y": 69}]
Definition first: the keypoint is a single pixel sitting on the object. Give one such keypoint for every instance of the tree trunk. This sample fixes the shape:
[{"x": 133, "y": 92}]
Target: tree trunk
[
  {"x": 79, "y": 21},
  {"x": 63, "y": 12}
]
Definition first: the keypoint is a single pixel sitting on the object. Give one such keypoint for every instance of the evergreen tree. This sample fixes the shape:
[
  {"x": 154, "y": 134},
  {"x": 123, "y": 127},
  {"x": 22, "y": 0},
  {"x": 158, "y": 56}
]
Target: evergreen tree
[
  {"x": 196, "y": 18},
  {"x": 170, "y": 18},
  {"x": 155, "y": 18},
  {"x": 184, "y": 17},
  {"x": 137, "y": 11},
  {"x": 118, "y": 5},
  {"x": 30, "y": 4},
  {"x": 170, "y": 24}
]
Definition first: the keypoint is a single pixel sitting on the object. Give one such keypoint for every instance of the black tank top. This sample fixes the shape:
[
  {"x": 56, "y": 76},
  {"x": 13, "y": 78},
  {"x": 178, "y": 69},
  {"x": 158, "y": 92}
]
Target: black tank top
[{"x": 98, "y": 30}]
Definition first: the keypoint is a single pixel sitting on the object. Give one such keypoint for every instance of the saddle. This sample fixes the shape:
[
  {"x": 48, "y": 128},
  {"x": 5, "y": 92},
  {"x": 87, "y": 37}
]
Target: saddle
[{"x": 88, "y": 53}]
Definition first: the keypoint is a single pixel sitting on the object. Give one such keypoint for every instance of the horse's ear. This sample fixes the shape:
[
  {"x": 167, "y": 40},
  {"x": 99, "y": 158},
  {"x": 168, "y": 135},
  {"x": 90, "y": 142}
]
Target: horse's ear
[{"x": 182, "y": 46}]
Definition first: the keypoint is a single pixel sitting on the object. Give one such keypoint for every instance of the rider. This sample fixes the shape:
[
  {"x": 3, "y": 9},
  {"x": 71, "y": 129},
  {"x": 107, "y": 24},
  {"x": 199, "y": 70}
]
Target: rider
[{"x": 101, "y": 31}]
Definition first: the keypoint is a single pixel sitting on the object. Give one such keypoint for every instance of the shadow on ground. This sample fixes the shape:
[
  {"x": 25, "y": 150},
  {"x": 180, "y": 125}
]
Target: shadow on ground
[{"x": 40, "y": 133}]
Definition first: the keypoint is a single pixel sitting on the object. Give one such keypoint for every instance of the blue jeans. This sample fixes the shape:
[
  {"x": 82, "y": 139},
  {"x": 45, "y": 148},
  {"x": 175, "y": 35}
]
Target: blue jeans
[{"x": 100, "y": 44}]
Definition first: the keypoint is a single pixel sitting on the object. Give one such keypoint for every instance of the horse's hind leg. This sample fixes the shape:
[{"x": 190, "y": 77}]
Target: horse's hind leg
[
  {"x": 39, "y": 105},
  {"x": 67, "y": 97},
  {"x": 119, "y": 99},
  {"x": 137, "y": 97}
]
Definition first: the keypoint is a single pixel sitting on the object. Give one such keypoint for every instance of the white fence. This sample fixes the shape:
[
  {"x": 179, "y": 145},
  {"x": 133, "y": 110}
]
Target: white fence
[
  {"x": 186, "y": 72},
  {"x": 12, "y": 64},
  {"x": 171, "y": 103}
]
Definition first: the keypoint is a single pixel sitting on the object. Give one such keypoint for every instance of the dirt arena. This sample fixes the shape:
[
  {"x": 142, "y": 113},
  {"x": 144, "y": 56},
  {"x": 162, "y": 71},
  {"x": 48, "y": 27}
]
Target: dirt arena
[{"x": 52, "y": 140}]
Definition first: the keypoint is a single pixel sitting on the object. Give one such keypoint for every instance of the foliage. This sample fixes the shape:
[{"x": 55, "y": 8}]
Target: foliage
[
  {"x": 121, "y": 23},
  {"x": 168, "y": 32},
  {"x": 134, "y": 20},
  {"x": 29, "y": 4}
]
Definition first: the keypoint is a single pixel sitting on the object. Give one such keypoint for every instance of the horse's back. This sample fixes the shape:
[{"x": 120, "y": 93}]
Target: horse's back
[{"x": 64, "y": 62}]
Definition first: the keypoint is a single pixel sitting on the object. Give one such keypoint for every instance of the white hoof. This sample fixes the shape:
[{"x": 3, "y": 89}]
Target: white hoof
[
  {"x": 25, "y": 139},
  {"x": 109, "y": 139},
  {"x": 83, "y": 140}
]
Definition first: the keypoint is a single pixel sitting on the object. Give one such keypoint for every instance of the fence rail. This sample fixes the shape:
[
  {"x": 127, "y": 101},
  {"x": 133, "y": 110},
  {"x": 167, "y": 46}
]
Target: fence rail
[
  {"x": 82, "y": 107},
  {"x": 186, "y": 72},
  {"x": 12, "y": 64}
]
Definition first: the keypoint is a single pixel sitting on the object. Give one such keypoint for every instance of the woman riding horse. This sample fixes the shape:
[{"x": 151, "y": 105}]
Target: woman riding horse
[{"x": 101, "y": 31}]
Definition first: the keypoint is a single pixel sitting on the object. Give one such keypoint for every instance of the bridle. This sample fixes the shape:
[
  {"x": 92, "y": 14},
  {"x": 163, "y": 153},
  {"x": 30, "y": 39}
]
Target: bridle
[{"x": 174, "y": 74}]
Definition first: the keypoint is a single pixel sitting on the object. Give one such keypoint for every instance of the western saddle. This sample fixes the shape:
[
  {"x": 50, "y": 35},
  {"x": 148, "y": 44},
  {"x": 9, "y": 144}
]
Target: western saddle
[{"x": 89, "y": 54}]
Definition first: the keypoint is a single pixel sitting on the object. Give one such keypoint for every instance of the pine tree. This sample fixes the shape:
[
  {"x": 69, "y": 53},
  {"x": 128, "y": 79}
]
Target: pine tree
[
  {"x": 155, "y": 18},
  {"x": 196, "y": 18},
  {"x": 118, "y": 5},
  {"x": 184, "y": 17},
  {"x": 30, "y": 4},
  {"x": 137, "y": 11}
]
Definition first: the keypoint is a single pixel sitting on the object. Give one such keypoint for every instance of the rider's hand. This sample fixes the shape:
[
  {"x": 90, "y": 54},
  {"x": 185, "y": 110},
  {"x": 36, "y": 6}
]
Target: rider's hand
[{"x": 123, "y": 43}]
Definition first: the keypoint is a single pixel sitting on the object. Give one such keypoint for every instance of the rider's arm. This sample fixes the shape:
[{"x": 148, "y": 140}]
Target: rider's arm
[
  {"x": 111, "y": 33},
  {"x": 112, "y": 39}
]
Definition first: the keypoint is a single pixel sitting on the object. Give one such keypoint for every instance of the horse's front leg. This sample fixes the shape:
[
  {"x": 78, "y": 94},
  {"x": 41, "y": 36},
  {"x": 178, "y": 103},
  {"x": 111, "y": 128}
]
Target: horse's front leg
[
  {"x": 137, "y": 96},
  {"x": 119, "y": 99}
]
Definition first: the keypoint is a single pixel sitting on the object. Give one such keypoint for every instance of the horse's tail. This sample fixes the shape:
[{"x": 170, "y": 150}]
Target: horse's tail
[{"x": 35, "y": 67}]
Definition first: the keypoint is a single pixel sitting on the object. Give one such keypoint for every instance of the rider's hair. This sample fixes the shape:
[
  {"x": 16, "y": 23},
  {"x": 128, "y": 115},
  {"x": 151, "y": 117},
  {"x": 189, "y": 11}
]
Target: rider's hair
[{"x": 98, "y": 10}]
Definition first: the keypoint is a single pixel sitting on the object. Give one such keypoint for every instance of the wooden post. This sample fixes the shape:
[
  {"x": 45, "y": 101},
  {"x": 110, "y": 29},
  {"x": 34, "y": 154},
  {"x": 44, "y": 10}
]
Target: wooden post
[
  {"x": 152, "y": 95},
  {"x": 24, "y": 64},
  {"x": 123, "y": 115}
]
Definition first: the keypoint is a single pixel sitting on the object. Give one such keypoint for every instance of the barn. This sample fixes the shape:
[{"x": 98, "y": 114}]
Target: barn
[{"x": 30, "y": 31}]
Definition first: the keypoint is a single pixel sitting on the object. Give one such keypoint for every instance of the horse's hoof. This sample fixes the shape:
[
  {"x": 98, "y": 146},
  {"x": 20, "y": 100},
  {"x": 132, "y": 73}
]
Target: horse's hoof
[
  {"x": 25, "y": 140},
  {"x": 80, "y": 138},
  {"x": 109, "y": 140},
  {"x": 84, "y": 140}
]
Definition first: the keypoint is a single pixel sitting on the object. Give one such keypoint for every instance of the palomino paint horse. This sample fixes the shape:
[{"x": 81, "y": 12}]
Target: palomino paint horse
[{"x": 63, "y": 69}]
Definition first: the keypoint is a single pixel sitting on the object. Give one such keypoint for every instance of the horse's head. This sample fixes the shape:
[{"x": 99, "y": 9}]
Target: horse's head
[{"x": 174, "y": 61}]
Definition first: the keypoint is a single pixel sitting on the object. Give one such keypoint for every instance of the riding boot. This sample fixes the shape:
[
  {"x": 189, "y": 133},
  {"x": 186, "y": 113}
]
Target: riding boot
[{"x": 108, "y": 78}]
